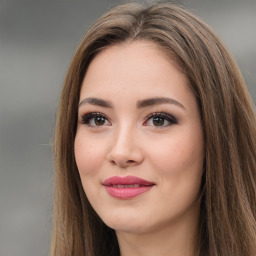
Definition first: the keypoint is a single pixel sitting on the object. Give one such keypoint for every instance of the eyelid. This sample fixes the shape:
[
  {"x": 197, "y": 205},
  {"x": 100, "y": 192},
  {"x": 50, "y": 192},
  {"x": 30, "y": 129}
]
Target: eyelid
[
  {"x": 170, "y": 118},
  {"x": 86, "y": 117}
]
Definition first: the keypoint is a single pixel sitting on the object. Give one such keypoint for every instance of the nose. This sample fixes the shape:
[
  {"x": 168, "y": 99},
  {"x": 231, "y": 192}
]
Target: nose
[{"x": 125, "y": 149}]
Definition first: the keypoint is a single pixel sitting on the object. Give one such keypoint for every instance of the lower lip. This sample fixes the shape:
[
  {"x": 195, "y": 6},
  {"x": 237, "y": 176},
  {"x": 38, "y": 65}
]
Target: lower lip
[{"x": 126, "y": 193}]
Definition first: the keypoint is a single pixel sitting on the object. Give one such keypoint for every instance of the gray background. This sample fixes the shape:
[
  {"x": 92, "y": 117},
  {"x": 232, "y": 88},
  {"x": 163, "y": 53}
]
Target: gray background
[{"x": 37, "y": 41}]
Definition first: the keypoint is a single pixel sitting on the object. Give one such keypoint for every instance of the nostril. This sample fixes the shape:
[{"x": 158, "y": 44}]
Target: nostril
[
  {"x": 112, "y": 162},
  {"x": 130, "y": 161},
  {"x": 122, "y": 163}
]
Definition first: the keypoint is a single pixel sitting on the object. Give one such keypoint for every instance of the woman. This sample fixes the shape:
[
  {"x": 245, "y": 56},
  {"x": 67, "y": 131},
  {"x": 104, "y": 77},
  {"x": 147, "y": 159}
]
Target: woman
[{"x": 155, "y": 141}]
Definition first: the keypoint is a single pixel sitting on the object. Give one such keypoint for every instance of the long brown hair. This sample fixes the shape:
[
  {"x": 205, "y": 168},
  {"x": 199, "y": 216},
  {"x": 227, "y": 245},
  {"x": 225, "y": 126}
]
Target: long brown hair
[{"x": 228, "y": 204}]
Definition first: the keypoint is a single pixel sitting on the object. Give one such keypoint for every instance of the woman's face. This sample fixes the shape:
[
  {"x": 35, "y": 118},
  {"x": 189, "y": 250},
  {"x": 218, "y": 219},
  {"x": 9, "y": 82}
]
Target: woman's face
[{"x": 139, "y": 144}]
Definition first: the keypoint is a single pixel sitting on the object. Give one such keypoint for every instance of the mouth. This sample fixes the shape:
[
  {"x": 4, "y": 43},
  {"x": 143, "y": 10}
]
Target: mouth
[{"x": 126, "y": 187}]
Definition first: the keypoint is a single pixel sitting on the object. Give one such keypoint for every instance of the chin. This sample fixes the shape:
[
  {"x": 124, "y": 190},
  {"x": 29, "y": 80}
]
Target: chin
[
  {"x": 126, "y": 223},
  {"x": 128, "y": 228}
]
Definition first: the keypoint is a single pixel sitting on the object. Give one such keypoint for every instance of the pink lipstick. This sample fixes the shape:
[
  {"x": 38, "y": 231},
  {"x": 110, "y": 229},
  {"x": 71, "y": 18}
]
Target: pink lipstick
[{"x": 127, "y": 187}]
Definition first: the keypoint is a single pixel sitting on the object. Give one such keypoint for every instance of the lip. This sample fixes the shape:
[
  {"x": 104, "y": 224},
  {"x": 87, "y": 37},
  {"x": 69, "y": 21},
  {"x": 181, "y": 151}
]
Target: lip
[{"x": 127, "y": 187}]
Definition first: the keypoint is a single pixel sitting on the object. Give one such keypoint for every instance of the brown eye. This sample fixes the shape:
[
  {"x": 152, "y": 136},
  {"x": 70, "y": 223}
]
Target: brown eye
[
  {"x": 95, "y": 120},
  {"x": 160, "y": 120},
  {"x": 99, "y": 120}
]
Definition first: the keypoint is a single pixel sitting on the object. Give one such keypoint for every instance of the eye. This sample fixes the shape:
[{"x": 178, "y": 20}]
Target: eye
[
  {"x": 95, "y": 119},
  {"x": 160, "y": 120}
]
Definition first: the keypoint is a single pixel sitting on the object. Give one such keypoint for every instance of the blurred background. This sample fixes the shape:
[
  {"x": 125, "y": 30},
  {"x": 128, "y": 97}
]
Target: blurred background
[{"x": 37, "y": 41}]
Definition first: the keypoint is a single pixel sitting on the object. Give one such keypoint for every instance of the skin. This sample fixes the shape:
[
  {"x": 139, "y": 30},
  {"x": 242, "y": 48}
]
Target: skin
[{"x": 127, "y": 141}]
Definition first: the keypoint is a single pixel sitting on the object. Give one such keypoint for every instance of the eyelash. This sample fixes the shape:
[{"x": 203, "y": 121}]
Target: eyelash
[
  {"x": 86, "y": 118},
  {"x": 166, "y": 117}
]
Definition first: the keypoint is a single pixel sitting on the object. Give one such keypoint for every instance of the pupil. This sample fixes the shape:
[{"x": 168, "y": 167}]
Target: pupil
[
  {"x": 99, "y": 120},
  {"x": 158, "y": 121}
]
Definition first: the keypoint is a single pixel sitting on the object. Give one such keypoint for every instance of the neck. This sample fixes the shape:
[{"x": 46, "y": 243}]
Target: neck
[{"x": 176, "y": 239}]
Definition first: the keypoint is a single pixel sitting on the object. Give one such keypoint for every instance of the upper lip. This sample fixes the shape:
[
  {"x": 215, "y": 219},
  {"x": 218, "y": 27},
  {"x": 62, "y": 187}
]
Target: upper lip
[{"x": 127, "y": 180}]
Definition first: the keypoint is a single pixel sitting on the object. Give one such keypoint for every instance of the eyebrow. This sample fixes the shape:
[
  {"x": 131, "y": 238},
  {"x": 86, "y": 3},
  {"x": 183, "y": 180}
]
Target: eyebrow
[
  {"x": 140, "y": 104},
  {"x": 96, "y": 102},
  {"x": 158, "y": 101}
]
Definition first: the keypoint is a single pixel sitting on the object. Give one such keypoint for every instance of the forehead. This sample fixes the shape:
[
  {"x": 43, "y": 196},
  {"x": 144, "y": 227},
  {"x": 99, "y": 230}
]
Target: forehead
[{"x": 135, "y": 65}]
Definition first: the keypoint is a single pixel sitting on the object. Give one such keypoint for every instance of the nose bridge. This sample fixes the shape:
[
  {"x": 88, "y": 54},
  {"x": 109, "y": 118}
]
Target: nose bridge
[
  {"x": 125, "y": 150},
  {"x": 123, "y": 143}
]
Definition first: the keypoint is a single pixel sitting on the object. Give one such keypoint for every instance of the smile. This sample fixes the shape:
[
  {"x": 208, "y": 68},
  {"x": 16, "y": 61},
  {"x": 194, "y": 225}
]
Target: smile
[{"x": 127, "y": 187}]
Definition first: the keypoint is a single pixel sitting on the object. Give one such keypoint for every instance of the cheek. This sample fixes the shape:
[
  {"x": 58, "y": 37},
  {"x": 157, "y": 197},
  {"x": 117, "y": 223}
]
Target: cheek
[
  {"x": 179, "y": 155},
  {"x": 179, "y": 166},
  {"x": 88, "y": 156}
]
